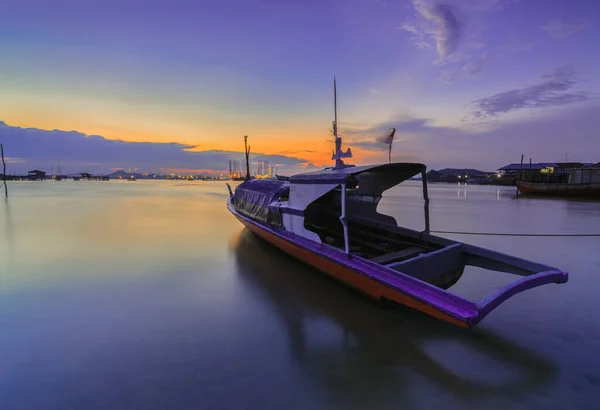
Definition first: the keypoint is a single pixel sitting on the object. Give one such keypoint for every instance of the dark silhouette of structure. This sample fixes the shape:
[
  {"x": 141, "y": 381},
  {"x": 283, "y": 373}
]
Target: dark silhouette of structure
[
  {"x": 3, "y": 171},
  {"x": 36, "y": 175},
  {"x": 247, "y": 152}
]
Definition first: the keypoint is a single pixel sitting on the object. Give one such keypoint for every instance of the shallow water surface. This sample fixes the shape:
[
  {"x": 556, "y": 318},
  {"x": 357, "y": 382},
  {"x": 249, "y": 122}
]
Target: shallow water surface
[{"x": 149, "y": 295}]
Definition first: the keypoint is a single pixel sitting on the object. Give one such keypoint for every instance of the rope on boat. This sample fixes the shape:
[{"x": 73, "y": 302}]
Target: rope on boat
[{"x": 516, "y": 234}]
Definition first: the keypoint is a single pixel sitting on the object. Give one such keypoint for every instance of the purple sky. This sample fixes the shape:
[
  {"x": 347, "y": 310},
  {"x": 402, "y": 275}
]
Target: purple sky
[{"x": 472, "y": 83}]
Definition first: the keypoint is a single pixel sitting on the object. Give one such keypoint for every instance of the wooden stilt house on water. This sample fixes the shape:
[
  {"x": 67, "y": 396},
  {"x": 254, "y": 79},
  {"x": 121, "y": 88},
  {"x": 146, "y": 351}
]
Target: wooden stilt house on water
[{"x": 36, "y": 175}]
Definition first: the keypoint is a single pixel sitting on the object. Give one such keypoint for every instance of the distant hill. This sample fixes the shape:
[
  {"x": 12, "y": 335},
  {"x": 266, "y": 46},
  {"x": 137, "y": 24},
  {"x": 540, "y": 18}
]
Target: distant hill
[
  {"x": 451, "y": 174},
  {"x": 118, "y": 174},
  {"x": 460, "y": 171}
]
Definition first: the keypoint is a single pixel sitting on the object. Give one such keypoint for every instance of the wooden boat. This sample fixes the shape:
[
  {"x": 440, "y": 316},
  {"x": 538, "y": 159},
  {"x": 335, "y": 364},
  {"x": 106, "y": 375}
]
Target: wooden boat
[
  {"x": 580, "y": 190},
  {"x": 329, "y": 220}
]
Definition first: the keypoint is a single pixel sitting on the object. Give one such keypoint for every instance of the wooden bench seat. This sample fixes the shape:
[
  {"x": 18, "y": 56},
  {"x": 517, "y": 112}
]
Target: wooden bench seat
[{"x": 399, "y": 255}]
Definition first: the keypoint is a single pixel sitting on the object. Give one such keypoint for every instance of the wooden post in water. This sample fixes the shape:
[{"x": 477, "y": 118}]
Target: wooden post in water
[
  {"x": 3, "y": 171},
  {"x": 530, "y": 170},
  {"x": 520, "y": 175},
  {"x": 247, "y": 152},
  {"x": 426, "y": 199}
]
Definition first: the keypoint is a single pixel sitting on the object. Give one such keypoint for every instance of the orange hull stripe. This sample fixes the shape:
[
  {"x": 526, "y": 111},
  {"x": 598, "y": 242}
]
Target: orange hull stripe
[{"x": 372, "y": 287}]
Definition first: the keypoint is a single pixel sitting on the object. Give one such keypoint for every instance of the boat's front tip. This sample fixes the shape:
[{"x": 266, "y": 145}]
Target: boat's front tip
[{"x": 564, "y": 277}]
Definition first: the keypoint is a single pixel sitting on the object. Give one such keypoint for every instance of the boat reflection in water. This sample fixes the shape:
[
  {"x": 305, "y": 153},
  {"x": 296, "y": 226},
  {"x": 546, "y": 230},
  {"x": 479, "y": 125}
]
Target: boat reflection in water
[{"x": 358, "y": 351}]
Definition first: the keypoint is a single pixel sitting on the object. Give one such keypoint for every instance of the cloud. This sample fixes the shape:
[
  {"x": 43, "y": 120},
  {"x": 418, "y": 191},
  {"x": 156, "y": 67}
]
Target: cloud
[
  {"x": 402, "y": 124},
  {"x": 489, "y": 4},
  {"x": 555, "y": 90},
  {"x": 562, "y": 28},
  {"x": 451, "y": 74},
  {"x": 474, "y": 66},
  {"x": 77, "y": 152},
  {"x": 366, "y": 137},
  {"x": 439, "y": 24},
  {"x": 418, "y": 36},
  {"x": 297, "y": 151},
  {"x": 545, "y": 138}
]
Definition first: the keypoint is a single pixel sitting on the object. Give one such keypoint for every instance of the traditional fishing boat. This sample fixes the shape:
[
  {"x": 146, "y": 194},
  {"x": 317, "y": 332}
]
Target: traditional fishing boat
[
  {"x": 329, "y": 220},
  {"x": 575, "y": 190},
  {"x": 581, "y": 182}
]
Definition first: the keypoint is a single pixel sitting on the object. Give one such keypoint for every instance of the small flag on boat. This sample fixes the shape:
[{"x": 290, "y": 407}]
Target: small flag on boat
[{"x": 388, "y": 139}]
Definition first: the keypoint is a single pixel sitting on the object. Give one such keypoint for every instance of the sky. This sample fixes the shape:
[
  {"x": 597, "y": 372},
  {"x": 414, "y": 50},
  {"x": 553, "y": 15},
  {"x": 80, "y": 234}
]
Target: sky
[{"x": 176, "y": 84}]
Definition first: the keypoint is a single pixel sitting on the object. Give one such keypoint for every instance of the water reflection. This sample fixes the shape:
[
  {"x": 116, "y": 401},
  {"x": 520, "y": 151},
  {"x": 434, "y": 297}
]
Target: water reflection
[
  {"x": 379, "y": 351},
  {"x": 9, "y": 230}
]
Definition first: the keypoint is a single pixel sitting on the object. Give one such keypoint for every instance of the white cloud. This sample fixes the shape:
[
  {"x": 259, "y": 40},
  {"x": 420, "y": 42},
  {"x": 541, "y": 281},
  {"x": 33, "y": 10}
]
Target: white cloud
[
  {"x": 562, "y": 28},
  {"x": 439, "y": 24},
  {"x": 556, "y": 89}
]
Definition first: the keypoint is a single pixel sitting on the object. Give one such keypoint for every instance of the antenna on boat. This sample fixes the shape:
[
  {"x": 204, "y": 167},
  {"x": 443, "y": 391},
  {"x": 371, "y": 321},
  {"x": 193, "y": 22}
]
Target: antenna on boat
[{"x": 338, "y": 154}]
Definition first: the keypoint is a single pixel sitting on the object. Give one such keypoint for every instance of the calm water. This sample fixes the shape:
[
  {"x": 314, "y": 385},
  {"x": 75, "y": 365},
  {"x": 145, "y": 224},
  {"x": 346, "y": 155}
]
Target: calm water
[{"x": 149, "y": 295}]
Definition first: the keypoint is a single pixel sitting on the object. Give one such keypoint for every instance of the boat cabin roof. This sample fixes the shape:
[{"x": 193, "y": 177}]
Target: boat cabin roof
[{"x": 399, "y": 172}]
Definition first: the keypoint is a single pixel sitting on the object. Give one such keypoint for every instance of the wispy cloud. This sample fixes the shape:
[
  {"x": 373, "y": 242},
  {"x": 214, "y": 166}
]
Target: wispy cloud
[
  {"x": 439, "y": 25},
  {"x": 297, "y": 151},
  {"x": 460, "y": 52},
  {"x": 367, "y": 137},
  {"x": 451, "y": 74},
  {"x": 474, "y": 66},
  {"x": 562, "y": 28},
  {"x": 401, "y": 124},
  {"x": 488, "y": 4},
  {"x": 556, "y": 89}
]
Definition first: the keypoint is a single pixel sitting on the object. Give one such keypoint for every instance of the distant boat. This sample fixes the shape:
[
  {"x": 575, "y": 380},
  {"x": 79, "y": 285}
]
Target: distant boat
[
  {"x": 583, "y": 183},
  {"x": 559, "y": 190},
  {"x": 329, "y": 220}
]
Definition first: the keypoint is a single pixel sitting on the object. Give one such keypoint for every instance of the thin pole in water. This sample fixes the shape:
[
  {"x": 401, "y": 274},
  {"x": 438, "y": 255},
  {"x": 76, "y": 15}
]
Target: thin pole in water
[
  {"x": 520, "y": 175},
  {"x": 530, "y": 170},
  {"x": 4, "y": 171},
  {"x": 247, "y": 152},
  {"x": 426, "y": 199}
]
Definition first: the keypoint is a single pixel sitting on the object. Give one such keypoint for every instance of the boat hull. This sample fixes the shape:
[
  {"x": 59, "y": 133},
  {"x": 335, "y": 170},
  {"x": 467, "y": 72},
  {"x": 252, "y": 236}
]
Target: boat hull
[
  {"x": 350, "y": 275},
  {"x": 560, "y": 190}
]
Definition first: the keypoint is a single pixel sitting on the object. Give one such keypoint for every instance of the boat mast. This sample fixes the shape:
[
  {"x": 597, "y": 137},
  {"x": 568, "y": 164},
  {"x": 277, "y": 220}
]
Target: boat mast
[
  {"x": 338, "y": 140},
  {"x": 335, "y": 110},
  {"x": 338, "y": 154}
]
